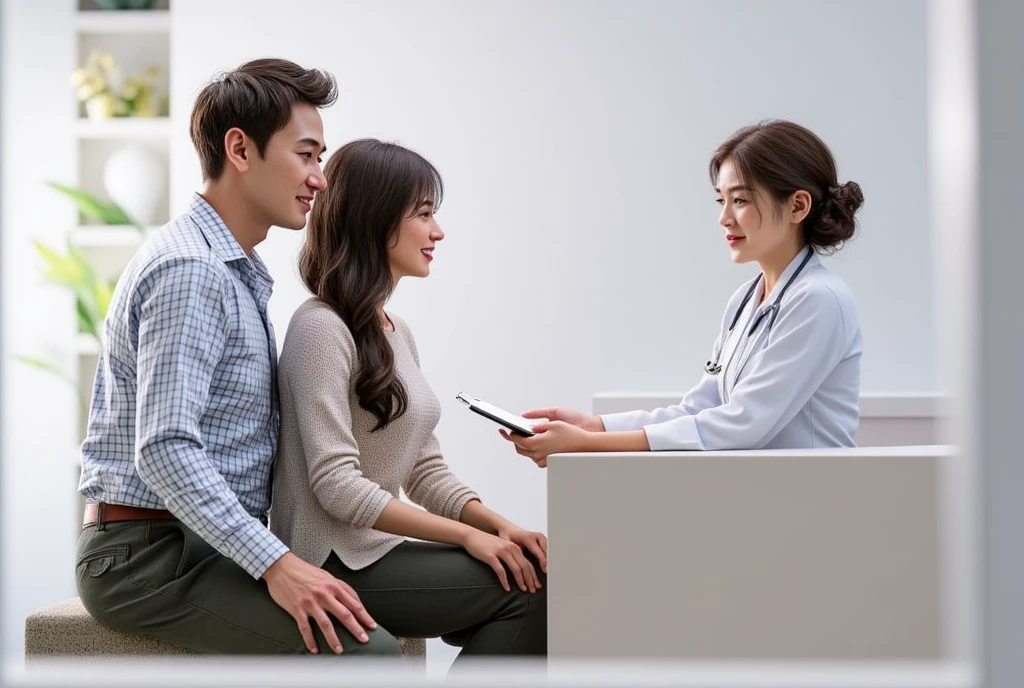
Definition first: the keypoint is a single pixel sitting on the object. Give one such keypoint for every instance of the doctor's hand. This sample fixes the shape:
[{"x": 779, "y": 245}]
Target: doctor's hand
[
  {"x": 568, "y": 415},
  {"x": 550, "y": 438}
]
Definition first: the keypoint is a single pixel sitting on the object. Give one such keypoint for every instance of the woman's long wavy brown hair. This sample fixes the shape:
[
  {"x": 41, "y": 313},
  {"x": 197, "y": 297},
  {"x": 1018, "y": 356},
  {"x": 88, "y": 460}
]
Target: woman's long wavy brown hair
[{"x": 371, "y": 187}]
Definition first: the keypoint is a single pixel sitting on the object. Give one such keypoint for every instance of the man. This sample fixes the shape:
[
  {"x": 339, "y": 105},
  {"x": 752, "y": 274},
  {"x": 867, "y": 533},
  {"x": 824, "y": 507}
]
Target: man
[{"x": 183, "y": 424}]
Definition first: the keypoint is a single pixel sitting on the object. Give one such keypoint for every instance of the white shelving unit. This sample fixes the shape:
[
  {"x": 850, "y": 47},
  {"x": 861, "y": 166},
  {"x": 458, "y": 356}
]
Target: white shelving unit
[
  {"x": 85, "y": 345},
  {"x": 123, "y": 21},
  {"x": 137, "y": 39},
  {"x": 123, "y": 128},
  {"x": 101, "y": 236}
]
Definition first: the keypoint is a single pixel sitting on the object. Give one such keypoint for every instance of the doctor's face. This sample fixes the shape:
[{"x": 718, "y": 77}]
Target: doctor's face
[{"x": 752, "y": 235}]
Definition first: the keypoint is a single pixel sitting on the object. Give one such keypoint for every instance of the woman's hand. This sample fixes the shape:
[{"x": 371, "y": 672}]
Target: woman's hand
[
  {"x": 498, "y": 553},
  {"x": 550, "y": 438},
  {"x": 570, "y": 416},
  {"x": 532, "y": 541}
]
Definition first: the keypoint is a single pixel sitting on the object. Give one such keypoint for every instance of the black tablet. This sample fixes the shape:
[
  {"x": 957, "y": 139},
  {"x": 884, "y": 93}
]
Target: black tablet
[{"x": 515, "y": 424}]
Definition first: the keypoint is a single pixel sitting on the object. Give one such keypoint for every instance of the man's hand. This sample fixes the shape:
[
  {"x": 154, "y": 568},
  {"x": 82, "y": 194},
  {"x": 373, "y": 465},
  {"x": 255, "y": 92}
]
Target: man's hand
[{"x": 305, "y": 591}]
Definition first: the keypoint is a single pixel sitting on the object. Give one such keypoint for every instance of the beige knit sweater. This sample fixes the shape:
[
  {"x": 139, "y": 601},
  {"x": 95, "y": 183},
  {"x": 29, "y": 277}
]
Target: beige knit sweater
[{"x": 333, "y": 477}]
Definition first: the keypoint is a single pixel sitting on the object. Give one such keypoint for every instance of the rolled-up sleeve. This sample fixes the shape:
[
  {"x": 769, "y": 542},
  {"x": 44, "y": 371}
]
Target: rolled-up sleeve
[{"x": 182, "y": 334}]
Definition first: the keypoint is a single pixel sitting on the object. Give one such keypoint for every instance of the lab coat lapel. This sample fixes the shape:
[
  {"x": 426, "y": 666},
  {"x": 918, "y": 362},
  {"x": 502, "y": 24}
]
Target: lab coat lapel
[
  {"x": 728, "y": 349},
  {"x": 753, "y": 344},
  {"x": 737, "y": 342},
  {"x": 760, "y": 338}
]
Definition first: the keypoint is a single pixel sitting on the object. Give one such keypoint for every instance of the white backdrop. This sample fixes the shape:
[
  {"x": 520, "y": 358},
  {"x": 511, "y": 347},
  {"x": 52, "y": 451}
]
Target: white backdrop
[
  {"x": 582, "y": 250},
  {"x": 583, "y": 253}
]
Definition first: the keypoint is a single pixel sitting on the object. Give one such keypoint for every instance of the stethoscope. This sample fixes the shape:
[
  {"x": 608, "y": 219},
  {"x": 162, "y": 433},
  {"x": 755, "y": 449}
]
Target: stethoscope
[{"x": 714, "y": 367}]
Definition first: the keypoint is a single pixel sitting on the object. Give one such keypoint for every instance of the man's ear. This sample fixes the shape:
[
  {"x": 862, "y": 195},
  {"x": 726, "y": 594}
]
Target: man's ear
[
  {"x": 799, "y": 206},
  {"x": 238, "y": 148}
]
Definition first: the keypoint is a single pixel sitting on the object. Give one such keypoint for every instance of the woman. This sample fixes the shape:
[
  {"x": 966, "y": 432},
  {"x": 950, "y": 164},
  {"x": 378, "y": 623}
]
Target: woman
[
  {"x": 785, "y": 368},
  {"x": 357, "y": 424}
]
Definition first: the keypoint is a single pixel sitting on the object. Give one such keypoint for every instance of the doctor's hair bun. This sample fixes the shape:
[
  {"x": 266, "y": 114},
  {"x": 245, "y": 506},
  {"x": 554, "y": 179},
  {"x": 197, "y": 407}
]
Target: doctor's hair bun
[
  {"x": 835, "y": 223},
  {"x": 781, "y": 158}
]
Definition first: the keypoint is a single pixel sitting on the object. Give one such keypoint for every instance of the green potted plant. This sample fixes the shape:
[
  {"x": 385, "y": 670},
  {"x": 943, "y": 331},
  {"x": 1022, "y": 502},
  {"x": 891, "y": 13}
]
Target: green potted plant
[
  {"x": 72, "y": 270},
  {"x": 90, "y": 207},
  {"x": 106, "y": 93}
]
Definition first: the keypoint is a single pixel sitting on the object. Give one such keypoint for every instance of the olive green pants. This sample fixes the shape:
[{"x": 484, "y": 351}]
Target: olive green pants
[{"x": 160, "y": 579}]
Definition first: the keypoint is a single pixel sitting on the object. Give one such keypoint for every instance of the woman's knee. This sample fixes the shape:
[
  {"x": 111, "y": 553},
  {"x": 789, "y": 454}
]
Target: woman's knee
[
  {"x": 527, "y": 604},
  {"x": 381, "y": 643}
]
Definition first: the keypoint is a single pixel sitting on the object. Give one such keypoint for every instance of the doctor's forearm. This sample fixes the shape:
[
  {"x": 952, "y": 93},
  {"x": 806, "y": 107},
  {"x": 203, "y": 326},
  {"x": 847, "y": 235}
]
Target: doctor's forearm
[{"x": 623, "y": 441}]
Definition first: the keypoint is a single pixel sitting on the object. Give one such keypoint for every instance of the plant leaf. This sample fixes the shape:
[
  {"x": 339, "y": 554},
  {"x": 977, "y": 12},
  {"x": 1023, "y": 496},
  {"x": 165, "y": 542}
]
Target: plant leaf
[
  {"x": 92, "y": 293},
  {"x": 86, "y": 319},
  {"x": 92, "y": 207},
  {"x": 59, "y": 268}
]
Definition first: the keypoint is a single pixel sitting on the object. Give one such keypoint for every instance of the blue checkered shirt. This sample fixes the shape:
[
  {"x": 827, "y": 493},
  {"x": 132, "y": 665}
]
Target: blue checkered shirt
[{"x": 184, "y": 413}]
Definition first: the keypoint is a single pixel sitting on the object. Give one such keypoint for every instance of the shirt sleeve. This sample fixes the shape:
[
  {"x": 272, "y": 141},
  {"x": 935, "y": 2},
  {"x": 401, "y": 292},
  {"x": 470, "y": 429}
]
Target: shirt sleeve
[
  {"x": 701, "y": 396},
  {"x": 805, "y": 344},
  {"x": 317, "y": 367},
  {"x": 182, "y": 334}
]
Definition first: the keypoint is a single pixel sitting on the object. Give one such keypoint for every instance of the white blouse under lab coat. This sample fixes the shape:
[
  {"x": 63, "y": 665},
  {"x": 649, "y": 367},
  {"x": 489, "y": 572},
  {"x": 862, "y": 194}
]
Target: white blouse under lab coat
[{"x": 796, "y": 385}]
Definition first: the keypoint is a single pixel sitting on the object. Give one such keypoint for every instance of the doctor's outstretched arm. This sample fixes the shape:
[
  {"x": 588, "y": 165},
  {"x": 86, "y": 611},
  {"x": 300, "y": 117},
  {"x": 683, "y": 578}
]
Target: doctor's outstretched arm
[
  {"x": 609, "y": 432},
  {"x": 808, "y": 339},
  {"x": 703, "y": 395}
]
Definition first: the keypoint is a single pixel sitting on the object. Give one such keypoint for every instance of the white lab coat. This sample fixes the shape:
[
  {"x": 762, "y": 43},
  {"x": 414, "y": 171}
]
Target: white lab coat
[{"x": 795, "y": 386}]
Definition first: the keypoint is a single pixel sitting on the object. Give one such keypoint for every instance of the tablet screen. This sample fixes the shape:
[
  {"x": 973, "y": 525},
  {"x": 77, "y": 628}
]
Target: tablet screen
[{"x": 499, "y": 415}]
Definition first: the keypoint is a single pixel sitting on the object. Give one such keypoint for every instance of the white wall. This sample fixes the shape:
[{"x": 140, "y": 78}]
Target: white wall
[
  {"x": 583, "y": 252},
  {"x": 38, "y": 429}
]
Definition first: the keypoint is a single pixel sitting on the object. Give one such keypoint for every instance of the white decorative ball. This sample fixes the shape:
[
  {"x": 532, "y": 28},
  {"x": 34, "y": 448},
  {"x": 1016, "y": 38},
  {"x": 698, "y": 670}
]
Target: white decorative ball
[{"x": 135, "y": 178}]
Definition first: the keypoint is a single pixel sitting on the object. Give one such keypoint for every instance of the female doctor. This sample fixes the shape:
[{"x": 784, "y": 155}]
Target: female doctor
[{"x": 785, "y": 369}]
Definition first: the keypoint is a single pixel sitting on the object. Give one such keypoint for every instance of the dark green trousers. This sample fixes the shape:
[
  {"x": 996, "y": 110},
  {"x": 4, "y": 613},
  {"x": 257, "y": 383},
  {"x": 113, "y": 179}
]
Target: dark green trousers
[
  {"x": 426, "y": 590},
  {"x": 160, "y": 579}
]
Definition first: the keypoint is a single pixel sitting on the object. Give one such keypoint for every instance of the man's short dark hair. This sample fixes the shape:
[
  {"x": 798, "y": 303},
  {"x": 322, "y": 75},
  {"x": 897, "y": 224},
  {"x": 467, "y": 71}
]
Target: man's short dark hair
[{"x": 258, "y": 98}]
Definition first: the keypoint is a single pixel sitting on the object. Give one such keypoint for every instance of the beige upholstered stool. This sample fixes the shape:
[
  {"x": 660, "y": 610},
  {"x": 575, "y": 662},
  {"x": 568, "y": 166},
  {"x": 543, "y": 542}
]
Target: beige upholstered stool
[{"x": 66, "y": 628}]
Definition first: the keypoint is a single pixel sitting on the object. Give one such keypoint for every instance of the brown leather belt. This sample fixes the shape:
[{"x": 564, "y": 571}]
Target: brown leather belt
[{"x": 98, "y": 513}]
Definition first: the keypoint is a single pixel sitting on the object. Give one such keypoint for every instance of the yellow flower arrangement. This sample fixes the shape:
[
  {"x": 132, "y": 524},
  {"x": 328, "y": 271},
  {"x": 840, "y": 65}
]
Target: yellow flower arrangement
[{"x": 106, "y": 94}]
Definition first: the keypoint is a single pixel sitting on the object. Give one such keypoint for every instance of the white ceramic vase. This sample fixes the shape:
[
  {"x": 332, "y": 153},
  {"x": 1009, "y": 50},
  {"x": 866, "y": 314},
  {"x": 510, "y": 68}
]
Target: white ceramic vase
[
  {"x": 135, "y": 178},
  {"x": 99, "y": 107}
]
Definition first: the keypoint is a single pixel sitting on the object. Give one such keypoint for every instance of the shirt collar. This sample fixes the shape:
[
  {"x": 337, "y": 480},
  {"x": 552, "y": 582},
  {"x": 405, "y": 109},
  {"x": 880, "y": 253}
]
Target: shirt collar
[{"x": 216, "y": 233}]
